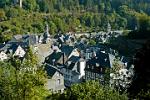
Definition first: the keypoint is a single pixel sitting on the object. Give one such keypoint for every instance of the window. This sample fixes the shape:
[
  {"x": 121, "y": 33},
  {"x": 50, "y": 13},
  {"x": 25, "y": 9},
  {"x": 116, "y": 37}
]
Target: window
[
  {"x": 101, "y": 70},
  {"x": 58, "y": 82}
]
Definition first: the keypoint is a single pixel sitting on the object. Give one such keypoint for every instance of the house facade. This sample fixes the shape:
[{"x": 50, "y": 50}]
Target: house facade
[
  {"x": 97, "y": 65},
  {"x": 19, "y": 52},
  {"x": 55, "y": 82},
  {"x": 74, "y": 70},
  {"x": 3, "y": 56}
]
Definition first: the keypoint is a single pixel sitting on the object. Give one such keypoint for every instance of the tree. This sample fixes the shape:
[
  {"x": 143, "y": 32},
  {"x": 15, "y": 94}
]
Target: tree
[
  {"x": 2, "y": 15},
  {"x": 22, "y": 79},
  {"x": 53, "y": 27},
  {"x": 12, "y": 12},
  {"x": 141, "y": 83},
  {"x": 143, "y": 22},
  {"x": 30, "y": 5},
  {"x": 3, "y": 3},
  {"x": 120, "y": 78},
  {"x": 44, "y": 7},
  {"x": 7, "y": 81},
  {"x": 92, "y": 42},
  {"x": 90, "y": 90}
]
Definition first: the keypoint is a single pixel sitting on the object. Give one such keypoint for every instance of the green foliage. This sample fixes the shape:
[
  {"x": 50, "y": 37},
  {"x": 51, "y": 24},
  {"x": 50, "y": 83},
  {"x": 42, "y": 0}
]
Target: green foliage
[
  {"x": 2, "y": 15},
  {"x": 22, "y": 79},
  {"x": 53, "y": 27},
  {"x": 92, "y": 42},
  {"x": 30, "y": 5},
  {"x": 144, "y": 22},
  {"x": 12, "y": 12},
  {"x": 116, "y": 66},
  {"x": 141, "y": 84},
  {"x": 31, "y": 58},
  {"x": 67, "y": 15},
  {"x": 90, "y": 90}
]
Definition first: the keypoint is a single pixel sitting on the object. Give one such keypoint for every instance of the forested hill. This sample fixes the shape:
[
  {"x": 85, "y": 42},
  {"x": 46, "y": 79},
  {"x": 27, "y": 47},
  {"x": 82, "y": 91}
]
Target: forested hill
[
  {"x": 69, "y": 15},
  {"x": 99, "y": 6}
]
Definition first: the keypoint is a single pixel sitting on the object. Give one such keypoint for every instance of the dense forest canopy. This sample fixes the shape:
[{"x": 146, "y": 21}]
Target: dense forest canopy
[
  {"x": 100, "y": 6},
  {"x": 69, "y": 15}
]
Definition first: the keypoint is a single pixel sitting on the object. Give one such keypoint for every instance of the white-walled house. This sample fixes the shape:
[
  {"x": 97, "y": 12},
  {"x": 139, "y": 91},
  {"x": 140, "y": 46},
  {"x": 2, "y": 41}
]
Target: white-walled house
[
  {"x": 20, "y": 52},
  {"x": 55, "y": 82},
  {"x": 3, "y": 56},
  {"x": 96, "y": 66},
  {"x": 74, "y": 70}
]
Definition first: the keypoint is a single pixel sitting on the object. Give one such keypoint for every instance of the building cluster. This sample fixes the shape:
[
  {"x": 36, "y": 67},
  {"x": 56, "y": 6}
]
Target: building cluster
[
  {"x": 68, "y": 59},
  {"x": 19, "y": 44}
]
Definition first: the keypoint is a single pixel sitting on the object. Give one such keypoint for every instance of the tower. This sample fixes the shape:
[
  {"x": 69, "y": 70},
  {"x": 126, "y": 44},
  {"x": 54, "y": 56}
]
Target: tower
[
  {"x": 108, "y": 27},
  {"x": 46, "y": 34},
  {"x": 20, "y": 3}
]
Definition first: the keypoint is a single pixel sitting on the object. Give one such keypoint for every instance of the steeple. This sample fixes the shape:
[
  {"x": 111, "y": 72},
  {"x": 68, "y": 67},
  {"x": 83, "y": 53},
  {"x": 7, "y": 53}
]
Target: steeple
[
  {"x": 46, "y": 34},
  {"x": 20, "y": 3},
  {"x": 108, "y": 27},
  {"x": 47, "y": 31}
]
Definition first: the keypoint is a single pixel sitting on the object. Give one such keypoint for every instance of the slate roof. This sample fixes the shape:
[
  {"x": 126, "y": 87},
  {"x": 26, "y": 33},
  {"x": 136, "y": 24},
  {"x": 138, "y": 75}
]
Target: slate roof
[
  {"x": 12, "y": 46},
  {"x": 74, "y": 67},
  {"x": 28, "y": 39},
  {"x": 51, "y": 57},
  {"x": 67, "y": 49},
  {"x": 51, "y": 70},
  {"x": 2, "y": 46},
  {"x": 74, "y": 59},
  {"x": 74, "y": 64},
  {"x": 102, "y": 60},
  {"x": 124, "y": 59},
  {"x": 71, "y": 66},
  {"x": 80, "y": 46}
]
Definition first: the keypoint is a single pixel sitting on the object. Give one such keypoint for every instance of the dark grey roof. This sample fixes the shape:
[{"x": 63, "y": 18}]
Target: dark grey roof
[
  {"x": 92, "y": 48},
  {"x": 125, "y": 59},
  {"x": 66, "y": 37},
  {"x": 27, "y": 38},
  {"x": 54, "y": 56},
  {"x": 67, "y": 49},
  {"x": 74, "y": 67},
  {"x": 74, "y": 59},
  {"x": 2, "y": 46},
  {"x": 80, "y": 46},
  {"x": 74, "y": 64},
  {"x": 103, "y": 60},
  {"x": 51, "y": 70},
  {"x": 71, "y": 66},
  {"x": 12, "y": 46}
]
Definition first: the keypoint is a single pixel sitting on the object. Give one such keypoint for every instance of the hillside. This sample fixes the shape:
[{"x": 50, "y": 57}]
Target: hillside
[{"x": 69, "y": 15}]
